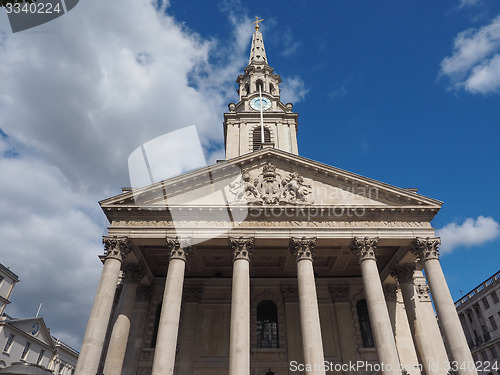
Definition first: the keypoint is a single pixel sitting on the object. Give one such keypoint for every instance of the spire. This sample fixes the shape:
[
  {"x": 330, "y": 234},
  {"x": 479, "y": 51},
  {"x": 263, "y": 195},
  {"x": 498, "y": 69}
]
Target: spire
[{"x": 257, "y": 52}]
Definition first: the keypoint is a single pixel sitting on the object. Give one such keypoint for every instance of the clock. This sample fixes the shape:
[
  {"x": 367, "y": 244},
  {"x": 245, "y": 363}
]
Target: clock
[{"x": 256, "y": 102}]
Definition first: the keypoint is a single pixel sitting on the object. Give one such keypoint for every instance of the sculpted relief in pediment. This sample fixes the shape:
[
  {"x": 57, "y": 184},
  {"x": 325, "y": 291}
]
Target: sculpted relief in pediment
[{"x": 270, "y": 188}]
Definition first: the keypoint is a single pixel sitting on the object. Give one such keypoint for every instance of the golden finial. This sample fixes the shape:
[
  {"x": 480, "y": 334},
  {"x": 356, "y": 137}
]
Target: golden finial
[{"x": 256, "y": 23}]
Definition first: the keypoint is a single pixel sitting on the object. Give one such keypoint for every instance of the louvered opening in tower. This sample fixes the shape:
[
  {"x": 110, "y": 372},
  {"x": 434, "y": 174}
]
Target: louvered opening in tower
[{"x": 257, "y": 137}]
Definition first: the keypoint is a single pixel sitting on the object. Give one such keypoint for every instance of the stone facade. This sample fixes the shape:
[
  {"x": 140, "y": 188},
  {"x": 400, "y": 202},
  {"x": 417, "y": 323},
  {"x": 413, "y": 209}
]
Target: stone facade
[
  {"x": 274, "y": 264},
  {"x": 28, "y": 341},
  {"x": 479, "y": 312},
  {"x": 7, "y": 281}
]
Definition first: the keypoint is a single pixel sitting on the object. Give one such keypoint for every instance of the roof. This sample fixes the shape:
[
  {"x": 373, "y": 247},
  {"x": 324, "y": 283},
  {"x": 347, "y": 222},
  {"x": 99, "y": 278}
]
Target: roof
[
  {"x": 390, "y": 198},
  {"x": 7, "y": 271},
  {"x": 23, "y": 368}
]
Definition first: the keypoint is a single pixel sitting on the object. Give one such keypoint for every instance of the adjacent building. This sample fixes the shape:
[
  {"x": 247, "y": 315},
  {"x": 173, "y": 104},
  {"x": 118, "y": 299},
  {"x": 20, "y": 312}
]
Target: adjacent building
[
  {"x": 270, "y": 263},
  {"x": 479, "y": 312},
  {"x": 28, "y": 341},
  {"x": 7, "y": 281}
]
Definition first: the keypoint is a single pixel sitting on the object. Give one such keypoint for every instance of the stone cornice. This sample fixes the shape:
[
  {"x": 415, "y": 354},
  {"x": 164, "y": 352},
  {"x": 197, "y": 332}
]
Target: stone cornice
[{"x": 270, "y": 154}]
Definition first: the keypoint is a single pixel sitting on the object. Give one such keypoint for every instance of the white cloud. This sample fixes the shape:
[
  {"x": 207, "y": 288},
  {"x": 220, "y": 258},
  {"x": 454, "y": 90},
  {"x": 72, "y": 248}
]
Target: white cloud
[
  {"x": 293, "y": 90},
  {"x": 466, "y": 3},
  {"x": 77, "y": 95},
  {"x": 470, "y": 233},
  {"x": 474, "y": 65}
]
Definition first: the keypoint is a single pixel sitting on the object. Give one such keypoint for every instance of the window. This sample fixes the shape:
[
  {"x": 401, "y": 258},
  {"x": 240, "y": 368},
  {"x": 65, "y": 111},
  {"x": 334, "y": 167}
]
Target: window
[
  {"x": 493, "y": 322},
  {"x": 267, "y": 325},
  {"x": 259, "y": 84},
  {"x": 364, "y": 324},
  {"x": 494, "y": 353},
  {"x": 157, "y": 324},
  {"x": 40, "y": 357},
  {"x": 61, "y": 368},
  {"x": 486, "y": 303},
  {"x": 257, "y": 137},
  {"x": 25, "y": 351},
  {"x": 494, "y": 297},
  {"x": 271, "y": 88},
  {"x": 8, "y": 344}
]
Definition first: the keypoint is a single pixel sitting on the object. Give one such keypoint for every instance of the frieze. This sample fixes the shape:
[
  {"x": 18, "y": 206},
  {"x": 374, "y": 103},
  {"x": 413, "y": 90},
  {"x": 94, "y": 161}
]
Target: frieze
[{"x": 285, "y": 223}]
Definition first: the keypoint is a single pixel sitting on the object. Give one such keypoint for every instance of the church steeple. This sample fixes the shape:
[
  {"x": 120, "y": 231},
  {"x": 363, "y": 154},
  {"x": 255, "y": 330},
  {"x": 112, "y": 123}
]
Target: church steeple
[
  {"x": 259, "y": 108},
  {"x": 257, "y": 52}
]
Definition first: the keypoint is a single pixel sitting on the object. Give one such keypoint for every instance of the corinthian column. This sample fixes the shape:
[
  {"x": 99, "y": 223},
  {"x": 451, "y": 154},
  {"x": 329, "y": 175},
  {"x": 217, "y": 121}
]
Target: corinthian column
[
  {"x": 133, "y": 274},
  {"x": 115, "y": 250},
  {"x": 377, "y": 308},
  {"x": 168, "y": 328},
  {"x": 303, "y": 249},
  {"x": 239, "y": 340},
  {"x": 427, "y": 250},
  {"x": 419, "y": 326}
]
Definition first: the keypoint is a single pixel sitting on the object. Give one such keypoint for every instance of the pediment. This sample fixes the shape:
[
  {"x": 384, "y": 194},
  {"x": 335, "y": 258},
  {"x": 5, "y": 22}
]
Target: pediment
[
  {"x": 271, "y": 177},
  {"x": 35, "y": 328}
]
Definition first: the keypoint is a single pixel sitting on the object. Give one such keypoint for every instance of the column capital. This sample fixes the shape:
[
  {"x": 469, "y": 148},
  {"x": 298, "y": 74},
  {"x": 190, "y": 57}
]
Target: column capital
[
  {"x": 242, "y": 247},
  {"x": 403, "y": 273},
  {"x": 339, "y": 293},
  {"x": 192, "y": 293},
  {"x": 364, "y": 248},
  {"x": 423, "y": 292},
  {"x": 426, "y": 248},
  {"x": 178, "y": 247},
  {"x": 133, "y": 272},
  {"x": 115, "y": 247},
  {"x": 290, "y": 293},
  {"x": 303, "y": 248}
]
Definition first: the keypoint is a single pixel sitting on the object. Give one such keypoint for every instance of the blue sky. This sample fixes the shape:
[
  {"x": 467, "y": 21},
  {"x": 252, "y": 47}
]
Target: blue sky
[
  {"x": 402, "y": 92},
  {"x": 372, "y": 80}
]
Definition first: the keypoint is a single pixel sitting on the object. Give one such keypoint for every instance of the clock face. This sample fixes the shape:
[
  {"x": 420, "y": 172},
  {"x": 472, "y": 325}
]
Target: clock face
[{"x": 255, "y": 103}]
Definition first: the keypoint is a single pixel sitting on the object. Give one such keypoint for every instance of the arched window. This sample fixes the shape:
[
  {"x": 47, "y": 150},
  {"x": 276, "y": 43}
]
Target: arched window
[
  {"x": 267, "y": 325},
  {"x": 257, "y": 138},
  {"x": 247, "y": 88},
  {"x": 157, "y": 324},
  {"x": 258, "y": 84},
  {"x": 271, "y": 88},
  {"x": 364, "y": 324}
]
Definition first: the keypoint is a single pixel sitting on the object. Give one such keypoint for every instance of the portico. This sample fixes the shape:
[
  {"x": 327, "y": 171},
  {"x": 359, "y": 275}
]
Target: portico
[{"x": 269, "y": 259}]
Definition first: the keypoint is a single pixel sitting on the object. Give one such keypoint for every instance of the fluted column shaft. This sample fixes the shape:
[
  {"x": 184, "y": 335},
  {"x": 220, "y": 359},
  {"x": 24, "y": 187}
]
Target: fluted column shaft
[
  {"x": 239, "y": 340},
  {"x": 427, "y": 250},
  {"x": 121, "y": 329},
  {"x": 312, "y": 341},
  {"x": 116, "y": 249},
  {"x": 377, "y": 308},
  {"x": 168, "y": 328}
]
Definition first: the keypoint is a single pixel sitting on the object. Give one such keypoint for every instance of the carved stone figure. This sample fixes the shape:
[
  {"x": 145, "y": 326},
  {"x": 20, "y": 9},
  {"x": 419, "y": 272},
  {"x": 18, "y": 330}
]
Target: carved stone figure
[{"x": 270, "y": 188}]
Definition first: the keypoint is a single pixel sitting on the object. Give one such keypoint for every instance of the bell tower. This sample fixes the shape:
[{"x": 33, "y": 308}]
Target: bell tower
[{"x": 259, "y": 119}]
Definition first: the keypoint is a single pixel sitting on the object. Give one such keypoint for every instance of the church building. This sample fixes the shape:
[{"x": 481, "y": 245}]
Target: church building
[{"x": 271, "y": 263}]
